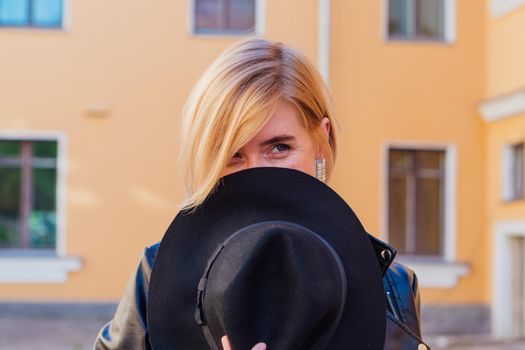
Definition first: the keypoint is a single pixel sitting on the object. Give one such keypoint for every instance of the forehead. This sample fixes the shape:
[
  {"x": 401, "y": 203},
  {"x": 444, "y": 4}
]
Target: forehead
[{"x": 284, "y": 120}]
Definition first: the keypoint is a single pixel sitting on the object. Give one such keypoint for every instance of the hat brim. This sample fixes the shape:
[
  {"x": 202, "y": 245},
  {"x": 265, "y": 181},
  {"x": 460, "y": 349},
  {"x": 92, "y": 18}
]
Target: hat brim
[{"x": 245, "y": 198}]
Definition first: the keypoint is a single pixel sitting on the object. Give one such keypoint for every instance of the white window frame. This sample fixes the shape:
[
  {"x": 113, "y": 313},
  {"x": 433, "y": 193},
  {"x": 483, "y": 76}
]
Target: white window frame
[
  {"x": 499, "y": 8},
  {"x": 260, "y": 21},
  {"x": 433, "y": 271},
  {"x": 449, "y": 30},
  {"x": 507, "y": 176},
  {"x": 36, "y": 268},
  {"x": 501, "y": 275}
]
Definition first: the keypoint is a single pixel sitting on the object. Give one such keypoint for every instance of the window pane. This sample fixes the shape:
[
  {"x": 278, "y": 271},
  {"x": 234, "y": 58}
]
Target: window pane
[
  {"x": 517, "y": 171},
  {"x": 9, "y": 207},
  {"x": 415, "y": 217},
  {"x": 206, "y": 14},
  {"x": 429, "y": 159},
  {"x": 428, "y": 216},
  {"x": 397, "y": 207},
  {"x": 398, "y": 17},
  {"x": 429, "y": 18},
  {"x": 400, "y": 159},
  {"x": 9, "y": 148},
  {"x": 42, "y": 220},
  {"x": 14, "y": 12},
  {"x": 46, "y": 149},
  {"x": 224, "y": 16},
  {"x": 44, "y": 189},
  {"x": 241, "y": 15},
  {"x": 47, "y": 13}
]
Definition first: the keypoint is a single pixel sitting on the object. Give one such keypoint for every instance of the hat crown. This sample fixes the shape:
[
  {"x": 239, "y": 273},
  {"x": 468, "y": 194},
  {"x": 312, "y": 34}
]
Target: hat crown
[{"x": 276, "y": 282}]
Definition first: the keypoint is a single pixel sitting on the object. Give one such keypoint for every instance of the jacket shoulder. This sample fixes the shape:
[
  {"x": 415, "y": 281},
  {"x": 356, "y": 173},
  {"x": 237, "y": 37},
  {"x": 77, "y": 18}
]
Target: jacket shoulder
[{"x": 150, "y": 252}]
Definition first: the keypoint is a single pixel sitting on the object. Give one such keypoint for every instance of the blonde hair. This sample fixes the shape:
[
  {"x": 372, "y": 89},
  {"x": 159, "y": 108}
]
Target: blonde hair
[{"x": 234, "y": 99}]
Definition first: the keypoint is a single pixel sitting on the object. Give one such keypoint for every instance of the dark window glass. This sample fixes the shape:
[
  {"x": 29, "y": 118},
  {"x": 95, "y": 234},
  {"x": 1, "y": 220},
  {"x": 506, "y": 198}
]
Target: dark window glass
[
  {"x": 9, "y": 148},
  {"x": 241, "y": 15},
  {"x": 9, "y": 207},
  {"x": 416, "y": 201},
  {"x": 42, "y": 221},
  {"x": 31, "y": 13},
  {"x": 28, "y": 173},
  {"x": 429, "y": 18},
  {"x": 206, "y": 14},
  {"x": 224, "y": 16},
  {"x": 45, "y": 149},
  {"x": 428, "y": 225},
  {"x": 416, "y": 19},
  {"x": 14, "y": 12},
  {"x": 47, "y": 13},
  {"x": 397, "y": 18},
  {"x": 517, "y": 171},
  {"x": 397, "y": 212}
]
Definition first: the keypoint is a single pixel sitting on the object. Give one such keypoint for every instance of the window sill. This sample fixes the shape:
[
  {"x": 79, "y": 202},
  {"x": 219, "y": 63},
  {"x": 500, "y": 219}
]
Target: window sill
[
  {"x": 512, "y": 200},
  {"x": 435, "y": 274},
  {"x": 26, "y": 269},
  {"x": 222, "y": 34}
]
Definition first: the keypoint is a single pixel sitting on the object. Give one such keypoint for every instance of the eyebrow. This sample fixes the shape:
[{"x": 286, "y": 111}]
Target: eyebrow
[{"x": 277, "y": 139}]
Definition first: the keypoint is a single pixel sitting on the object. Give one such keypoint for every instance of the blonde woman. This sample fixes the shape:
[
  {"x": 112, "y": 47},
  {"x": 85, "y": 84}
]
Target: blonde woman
[{"x": 259, "y": 104}]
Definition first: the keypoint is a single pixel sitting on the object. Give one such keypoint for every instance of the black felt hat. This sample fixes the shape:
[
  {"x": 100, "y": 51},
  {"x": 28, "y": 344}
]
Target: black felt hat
[{"x": 273, "y": 255}]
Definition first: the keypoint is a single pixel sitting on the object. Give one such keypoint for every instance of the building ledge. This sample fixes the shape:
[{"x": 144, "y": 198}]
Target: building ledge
[
  {"x": 503, "y": 106},
  {"x": 435, "y": 274},
  {"x": 500, "y": 8},
  {"x": 25, "y": 269}
]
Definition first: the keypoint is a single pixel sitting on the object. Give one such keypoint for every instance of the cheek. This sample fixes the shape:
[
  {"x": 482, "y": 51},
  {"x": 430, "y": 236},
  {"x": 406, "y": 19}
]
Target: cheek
[
  {"x": 226, "y": 171},
  {"x": 304, "y": 162}
]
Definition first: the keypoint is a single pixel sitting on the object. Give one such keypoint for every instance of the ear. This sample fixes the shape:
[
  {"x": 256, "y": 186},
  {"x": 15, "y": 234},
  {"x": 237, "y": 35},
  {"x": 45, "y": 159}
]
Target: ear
[
  {"x": 325, "y": 125},
  {"x": 325, "y": 130}
]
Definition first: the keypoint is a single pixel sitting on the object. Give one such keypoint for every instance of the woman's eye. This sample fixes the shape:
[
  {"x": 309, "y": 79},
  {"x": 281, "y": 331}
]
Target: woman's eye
[
  {"x": 281, "y": 147},
  {"x": 235, "y": 159}
]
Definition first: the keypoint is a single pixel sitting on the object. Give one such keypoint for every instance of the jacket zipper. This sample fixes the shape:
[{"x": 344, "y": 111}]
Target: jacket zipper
[{"x": 391, "y": 304}]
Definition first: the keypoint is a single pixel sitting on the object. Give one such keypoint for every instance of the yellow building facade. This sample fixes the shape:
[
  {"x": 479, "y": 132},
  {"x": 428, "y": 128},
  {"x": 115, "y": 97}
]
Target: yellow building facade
[
  {"x": 503, "y": 110},
  {"x": 107, "y": 87}
]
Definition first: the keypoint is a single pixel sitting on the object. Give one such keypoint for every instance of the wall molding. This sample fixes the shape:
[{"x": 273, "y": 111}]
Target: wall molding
[
  {"x": 502, "y": 107},
  {"x": 498, "y": 8}
]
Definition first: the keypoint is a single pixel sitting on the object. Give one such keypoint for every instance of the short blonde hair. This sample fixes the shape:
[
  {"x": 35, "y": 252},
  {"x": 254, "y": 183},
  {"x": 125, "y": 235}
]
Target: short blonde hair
[{"x": 234, "y": 99}]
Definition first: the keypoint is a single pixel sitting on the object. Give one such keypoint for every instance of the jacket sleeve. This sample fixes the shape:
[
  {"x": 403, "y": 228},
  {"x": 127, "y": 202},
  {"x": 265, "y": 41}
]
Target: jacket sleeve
[
  {"x": 404, "y": 329},
  {"x": 417, "y": 298},
  {"x": 128, "y": 328}
]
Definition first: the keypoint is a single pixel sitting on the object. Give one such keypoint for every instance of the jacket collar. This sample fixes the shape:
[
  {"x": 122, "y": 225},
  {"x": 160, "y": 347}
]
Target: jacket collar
[{"x": 385, "y": 253}]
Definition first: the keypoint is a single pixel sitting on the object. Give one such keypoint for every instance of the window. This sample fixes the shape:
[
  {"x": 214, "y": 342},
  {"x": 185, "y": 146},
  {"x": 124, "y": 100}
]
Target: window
[
  {"x": 28, "y": 181},
  {"x": 224, "y": 16},
  {"x": 417, "y": 19},
  {"x": 31, "y": 13},
  {"x": 416, "y": 188},
  {"x": 513, "y": 172}
]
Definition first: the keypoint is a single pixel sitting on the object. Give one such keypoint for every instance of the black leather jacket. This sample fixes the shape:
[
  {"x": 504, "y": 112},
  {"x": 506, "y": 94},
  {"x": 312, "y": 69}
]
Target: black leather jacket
[{"x": 128, "y": 329}]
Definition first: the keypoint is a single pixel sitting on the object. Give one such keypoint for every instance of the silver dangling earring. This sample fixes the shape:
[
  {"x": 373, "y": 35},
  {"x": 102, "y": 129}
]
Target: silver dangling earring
[{"x": 320, "y": 169}]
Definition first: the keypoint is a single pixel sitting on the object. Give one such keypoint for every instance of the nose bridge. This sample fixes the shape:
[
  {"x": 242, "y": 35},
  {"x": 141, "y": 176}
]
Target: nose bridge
[{"x": 254, "y": 160}]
